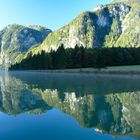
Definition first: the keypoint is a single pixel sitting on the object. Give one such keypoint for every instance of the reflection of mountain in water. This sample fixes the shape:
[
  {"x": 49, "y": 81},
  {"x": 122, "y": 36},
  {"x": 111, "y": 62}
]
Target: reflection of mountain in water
[
  {"x": 116, "y": 112},
  {"x": 16, "y": 97}
]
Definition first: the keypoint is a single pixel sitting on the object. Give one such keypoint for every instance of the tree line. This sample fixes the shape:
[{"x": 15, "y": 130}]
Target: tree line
[{"x": 80, "y": 57}]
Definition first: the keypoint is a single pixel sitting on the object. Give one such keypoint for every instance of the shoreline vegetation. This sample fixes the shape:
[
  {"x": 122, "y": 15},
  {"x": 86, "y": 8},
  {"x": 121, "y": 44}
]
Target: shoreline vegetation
[
  {"x": 127, "y": 70},
  {"x": 99, "y": 59}
]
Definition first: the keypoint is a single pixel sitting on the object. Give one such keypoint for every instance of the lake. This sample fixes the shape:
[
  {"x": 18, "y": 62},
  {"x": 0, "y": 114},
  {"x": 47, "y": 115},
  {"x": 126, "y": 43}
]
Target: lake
[{"x": 41, "y": 106}]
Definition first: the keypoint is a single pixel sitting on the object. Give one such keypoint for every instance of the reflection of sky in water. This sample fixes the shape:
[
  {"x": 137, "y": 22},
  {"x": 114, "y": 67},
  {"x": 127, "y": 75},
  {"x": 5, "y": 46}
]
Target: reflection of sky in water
[
  {"x": 44, "y": 106},
  {"x": 53, "y": 125}
]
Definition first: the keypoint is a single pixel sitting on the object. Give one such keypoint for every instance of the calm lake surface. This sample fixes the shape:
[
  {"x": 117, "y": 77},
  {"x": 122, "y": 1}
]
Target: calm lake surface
[{"x": 40, "y": 106}]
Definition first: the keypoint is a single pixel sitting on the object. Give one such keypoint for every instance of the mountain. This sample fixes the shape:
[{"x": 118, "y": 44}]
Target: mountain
[
  {"x": 112, "y": 25},
  {"x": 16, "y": 40}
]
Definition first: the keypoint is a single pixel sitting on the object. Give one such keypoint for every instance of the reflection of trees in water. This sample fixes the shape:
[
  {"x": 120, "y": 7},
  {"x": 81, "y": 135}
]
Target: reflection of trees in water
[
  {"x": 116, "y": 112},
  {"x": 81, "y": 84}
]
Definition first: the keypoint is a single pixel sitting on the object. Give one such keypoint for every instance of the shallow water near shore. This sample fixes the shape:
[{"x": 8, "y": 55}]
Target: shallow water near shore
[{"x": 40, "y": 106}]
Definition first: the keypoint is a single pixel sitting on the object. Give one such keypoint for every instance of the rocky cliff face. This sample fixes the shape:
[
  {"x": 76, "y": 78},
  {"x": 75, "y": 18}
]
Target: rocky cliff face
[
  {"x": 113, "y": 25},
  {"x": 15, "y": 40}
]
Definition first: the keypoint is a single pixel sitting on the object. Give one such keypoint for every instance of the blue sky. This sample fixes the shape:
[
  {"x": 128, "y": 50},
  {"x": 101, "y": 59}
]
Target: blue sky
[{"x": 50, "y": 13}]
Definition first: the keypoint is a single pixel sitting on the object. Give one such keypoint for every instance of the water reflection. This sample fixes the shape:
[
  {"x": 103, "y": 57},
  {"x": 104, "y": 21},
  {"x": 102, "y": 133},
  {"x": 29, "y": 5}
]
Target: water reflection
[{"x": 106, "y": 104}]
